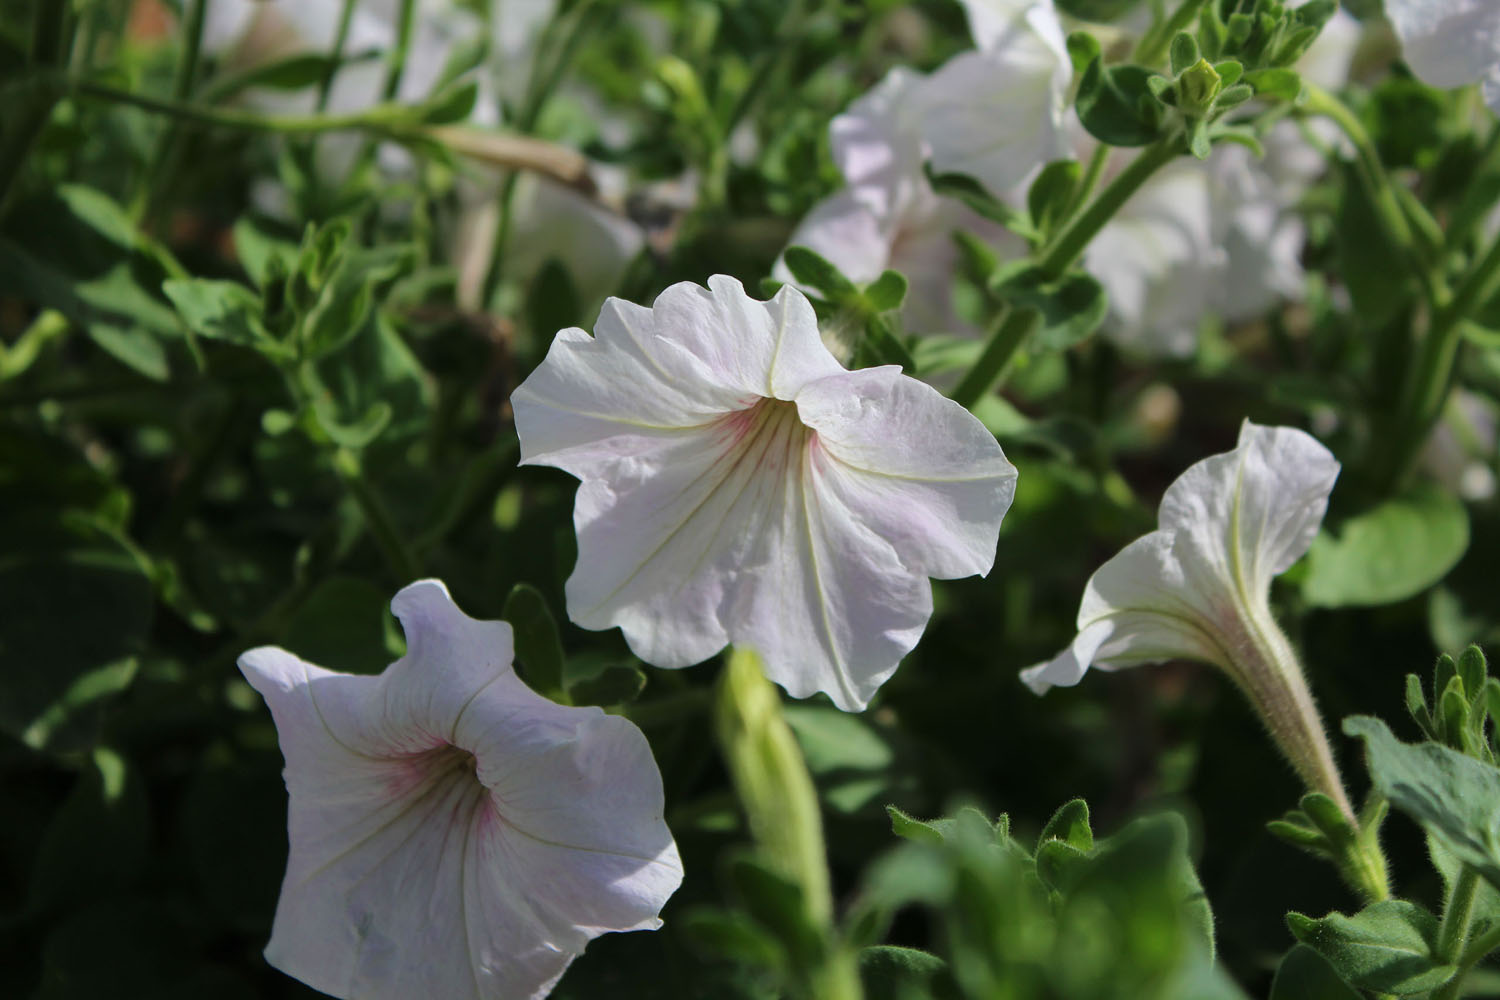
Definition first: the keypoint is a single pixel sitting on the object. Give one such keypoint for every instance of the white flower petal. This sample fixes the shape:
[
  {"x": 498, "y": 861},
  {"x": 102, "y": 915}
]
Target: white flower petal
[
  {"x": 878, "y": 147},
  {"x": 1198, "y": 586},
  {"x": 1252, "y": 512},
  {"x": 746, "y": 346},
  {"x": 915, "y": 466},
  {"x": 844, "y": 232},
  {"x": 1447, "y": 43},
  {"x": 997, "y": 115},
  {"x": 746, "y": 528},
  {"x": 426, "y": 801}
]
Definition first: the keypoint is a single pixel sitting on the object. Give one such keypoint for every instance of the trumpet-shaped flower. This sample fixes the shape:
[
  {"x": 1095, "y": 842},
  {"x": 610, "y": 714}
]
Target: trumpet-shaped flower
[
  {"x": 1450, "y": 43},
  {"x": 1198, "y": 588},
  {"x": 454, "y": 834},
  {"x": 740, "y": 486}
]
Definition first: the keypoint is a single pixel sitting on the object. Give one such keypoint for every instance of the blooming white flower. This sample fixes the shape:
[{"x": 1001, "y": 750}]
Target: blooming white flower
[
  {"x": 740, "y": 486},
  {"x": 998, "y": 113},
  {"x": 888, "y": 216},
  {"x": 454, "y": 834},
  {"x": 1451, "y": 43},
  {"x": 1198, "y": 587}
]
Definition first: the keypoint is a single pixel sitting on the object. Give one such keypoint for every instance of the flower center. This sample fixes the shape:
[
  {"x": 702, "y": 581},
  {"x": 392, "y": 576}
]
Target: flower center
[{"x": 768, "y": 435}]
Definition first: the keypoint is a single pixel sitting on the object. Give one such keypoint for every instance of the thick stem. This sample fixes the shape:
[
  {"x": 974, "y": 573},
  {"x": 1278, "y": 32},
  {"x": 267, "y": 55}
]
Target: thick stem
[
  {"x": 1431, "y": 379},
  {"x": 1377, "y": 182},
  {"x": 1267, "y": 670},
  {"x": 1014, "y": 327},
  {"x": 1454, "y": 932}
]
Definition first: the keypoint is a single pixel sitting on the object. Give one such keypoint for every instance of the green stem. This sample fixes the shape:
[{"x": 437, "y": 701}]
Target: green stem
[
  {"x": 18, "y": 357},
  {"x": 1454, "y": 932},
  {"x": 1432, "y": 375},
  {"x": 545, "y": 76},
  {"x": 1153, "y": 47},
  {"x": 1014, "y": 327},
  {"x": 380, "y": 118},
  {"x": 164, "y": 159},
  {"x": 404, "y": 20},
  {"x": 1098, "y": 160},
  {"x": 1377, "y": 182},
  {"x": 336, "y": 54},
  {"x": 1473, "y": 209},
  {"x": 1476, "y": 949},
  {"x": 400, "y": 559}
]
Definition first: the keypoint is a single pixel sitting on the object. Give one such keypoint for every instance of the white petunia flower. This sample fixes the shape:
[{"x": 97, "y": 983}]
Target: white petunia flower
[
  {"x": 998, "y": 114},
  {"x": 888, "y": 216},
  {"x": 1451, "y": 43},
  {"x": 454, "y": 834},
  {"x": 740, "y": 486},
  {"x": 1198, "y": 588}
]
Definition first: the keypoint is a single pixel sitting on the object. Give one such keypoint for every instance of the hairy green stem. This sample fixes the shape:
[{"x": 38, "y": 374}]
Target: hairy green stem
[
  {"x": 1014, "y": 327},
  {"x": 164, "y": 158},
  {"x": 1454, "y": 932},
  {"x": 405, "y": 19}
]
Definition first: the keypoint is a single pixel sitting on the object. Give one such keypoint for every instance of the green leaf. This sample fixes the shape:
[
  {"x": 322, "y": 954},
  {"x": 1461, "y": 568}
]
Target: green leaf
[
  {"x": 1069, "y": 824},
  {"x": 1284, "y": 84},
  {"x": 886, "y": 292},
  {"x": 617, "y": 684},
  {"x": 1454, "y": 797},
  {"x": 1386, "y": 947},
  {"x": 893, "y": 973},
  {"x": 1102, "y": 11},
  {"x": 733, "y": 936},
  {"x": 1306, "y": 975},
  {"x": 1391, "y": 552},
  {"x": 539, "y": 650},
  {"x": 552, "y": 300},
  {"x": 812, "y": 270},
  {"x": 1083, "y": 49},
  {"x": 224, "y": 310},
  {"x": 341, "y": 625},
  {"x": 95, "y": 843},
  {"x": 135, "y": 347},
  {"x": 1116, "y": 105},
  {"x": 1183, "y": 52},
  {"x": 979, "y": 200},
  {"x": 77, "y": 603},
  {"x": 776, "y": 903},
  {"x": 851, "y": 762},
  {"x": 1072, "y": 306},
  {"x": 1051, "y": 194},
  {"x": 455, "y": 104},
  {"x": 910, "y": 828},
  {"x": 358, "y": 434}
]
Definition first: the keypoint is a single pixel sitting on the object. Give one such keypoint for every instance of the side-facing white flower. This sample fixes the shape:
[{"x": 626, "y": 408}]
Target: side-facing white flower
[
  {"x": 740, "y": 486},
  {"x": 1451, "y": 43},
  {"x": 454, "y": 834},
  {"x": 1198, "y": 588}
]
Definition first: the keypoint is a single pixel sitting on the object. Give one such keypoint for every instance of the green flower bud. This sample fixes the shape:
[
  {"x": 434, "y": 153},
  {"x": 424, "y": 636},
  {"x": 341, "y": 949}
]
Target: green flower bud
[{"x": 1197, "y": 87}]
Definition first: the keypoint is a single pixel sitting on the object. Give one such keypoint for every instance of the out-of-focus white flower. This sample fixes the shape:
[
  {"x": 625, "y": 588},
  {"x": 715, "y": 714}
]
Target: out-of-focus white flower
[
  {"x": 1159, "y": 262},
  {"x": 740, "y": 486},
  {"x": 888, "y": 216},
  {"x": 1460, "y": 451},
  {"x": 1451, "y": 43},
  {"x": 454, "y": 834},
  {"x": 1198, "y": 588},
  {"x": 997, "y": 113}
]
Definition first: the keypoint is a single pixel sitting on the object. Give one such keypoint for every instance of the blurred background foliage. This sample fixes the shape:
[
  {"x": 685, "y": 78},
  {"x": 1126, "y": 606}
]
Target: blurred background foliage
[{"x": 174, "y": 492}]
